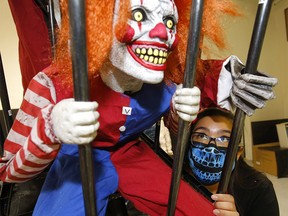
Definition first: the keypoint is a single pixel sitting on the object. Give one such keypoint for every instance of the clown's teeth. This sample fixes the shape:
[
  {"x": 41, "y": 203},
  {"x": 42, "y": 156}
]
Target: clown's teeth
[
  {"x": 156, "y": 52},
  {"x": 150, "y": 51},
  {"x": 155, "y": 61},
  {"x": 151, "y": 55}
]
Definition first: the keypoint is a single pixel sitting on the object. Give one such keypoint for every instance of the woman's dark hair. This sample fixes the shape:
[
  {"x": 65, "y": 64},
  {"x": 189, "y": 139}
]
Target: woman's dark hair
[
  {"x": 212, "y": 111},
  {"x": 244, "y": 177}
]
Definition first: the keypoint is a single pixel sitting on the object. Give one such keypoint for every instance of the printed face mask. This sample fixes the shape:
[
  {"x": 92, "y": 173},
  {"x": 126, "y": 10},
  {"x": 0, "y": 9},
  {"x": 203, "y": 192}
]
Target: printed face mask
[
  {"x": 149, "y": 38},
  {"x": 206, "y": 162}
]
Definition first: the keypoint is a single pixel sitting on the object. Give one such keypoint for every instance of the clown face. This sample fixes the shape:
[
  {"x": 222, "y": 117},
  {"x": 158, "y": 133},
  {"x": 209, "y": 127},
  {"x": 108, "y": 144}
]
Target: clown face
[{"x": 150, "y": 37}]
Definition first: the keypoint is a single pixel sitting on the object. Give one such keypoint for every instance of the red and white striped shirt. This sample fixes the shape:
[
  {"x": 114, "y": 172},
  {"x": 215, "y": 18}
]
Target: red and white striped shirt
[{"x": 30, "y": 145}]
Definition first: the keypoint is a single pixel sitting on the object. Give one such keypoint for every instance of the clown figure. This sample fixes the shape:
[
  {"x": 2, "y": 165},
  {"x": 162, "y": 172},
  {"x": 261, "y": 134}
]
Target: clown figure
[{"x": 132, "y": 85}]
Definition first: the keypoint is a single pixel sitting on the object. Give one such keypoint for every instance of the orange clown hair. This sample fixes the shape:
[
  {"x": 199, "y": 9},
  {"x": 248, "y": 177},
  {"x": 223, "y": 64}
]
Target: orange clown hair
[
  {"x": 212, "y": 30},
  {"x": 99, "y": 26}
]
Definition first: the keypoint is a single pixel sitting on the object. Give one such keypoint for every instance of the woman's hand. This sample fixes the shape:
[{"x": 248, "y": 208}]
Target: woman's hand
[{"x": 224, "y": 205}]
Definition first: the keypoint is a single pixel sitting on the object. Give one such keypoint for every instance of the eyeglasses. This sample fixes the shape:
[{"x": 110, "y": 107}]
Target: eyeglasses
[{"x": 197, "y": 137}]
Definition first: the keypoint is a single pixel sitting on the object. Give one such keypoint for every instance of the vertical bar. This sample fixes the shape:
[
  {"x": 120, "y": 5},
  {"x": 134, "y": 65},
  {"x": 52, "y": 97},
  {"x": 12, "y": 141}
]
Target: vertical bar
[
  {"x": 7, "y": 112},
  {"x": 2, "y": 140},
  {"x": 5, "y": 99},
  {"x": 157, "y": 136},
  {"x": 286, "y": 22},
  {"x": 260, "y": 25},
  {"x": 8, "y": 121},
  {"x": 52, "y": 30},
  {"x": 189, "y": 76},
  {"x": 81, "y": 93}
]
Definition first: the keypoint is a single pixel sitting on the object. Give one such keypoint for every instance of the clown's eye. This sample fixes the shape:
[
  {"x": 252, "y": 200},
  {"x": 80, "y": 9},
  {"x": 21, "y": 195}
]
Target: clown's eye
[
  {"x": 169, "y": 22},
  {"x": 139, "y": 15}
]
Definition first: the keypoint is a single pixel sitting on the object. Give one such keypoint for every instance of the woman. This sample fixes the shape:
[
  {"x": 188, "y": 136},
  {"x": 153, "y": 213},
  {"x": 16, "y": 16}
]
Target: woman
[{"x": 249, "y": 191}]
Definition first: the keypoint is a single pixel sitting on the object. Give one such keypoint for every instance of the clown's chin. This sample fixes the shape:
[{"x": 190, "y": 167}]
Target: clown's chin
[
  {"x": 152, "y": 77},
  {"x": 144, "y": 74}
]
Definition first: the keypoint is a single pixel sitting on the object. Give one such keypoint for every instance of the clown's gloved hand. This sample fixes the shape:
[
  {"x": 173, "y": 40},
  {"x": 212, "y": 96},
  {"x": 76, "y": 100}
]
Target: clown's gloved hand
[
  {"x": 250, "y": 92},
  {"x": 186, "y": 102},
  {"x": 75, "y": 122}
]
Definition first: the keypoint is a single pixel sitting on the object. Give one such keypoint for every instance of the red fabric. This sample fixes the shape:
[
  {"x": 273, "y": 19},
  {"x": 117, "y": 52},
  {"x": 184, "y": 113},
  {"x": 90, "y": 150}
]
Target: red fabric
[
  {"x": 34, "y": 44},
  {"x": 145, "y": 180},
  {"x": 208, "y": 83}
]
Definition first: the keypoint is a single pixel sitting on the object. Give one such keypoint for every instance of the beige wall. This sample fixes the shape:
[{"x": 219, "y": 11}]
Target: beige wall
[
  {"x": 272, "y": 60},
  {"x": 9, "y": 53},
  {"x": 273, "y": 57}
]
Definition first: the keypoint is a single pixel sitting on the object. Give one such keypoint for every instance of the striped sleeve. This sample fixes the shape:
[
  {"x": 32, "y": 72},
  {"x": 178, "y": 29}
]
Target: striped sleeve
[{"x": 31, "y": 145}]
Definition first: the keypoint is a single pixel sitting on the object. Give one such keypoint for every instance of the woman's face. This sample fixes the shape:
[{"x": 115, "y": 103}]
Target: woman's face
[
  {"x": 214, "y": 126},
  {"x": 149, "y": 38},
  {"x": 209, "y": 141}
]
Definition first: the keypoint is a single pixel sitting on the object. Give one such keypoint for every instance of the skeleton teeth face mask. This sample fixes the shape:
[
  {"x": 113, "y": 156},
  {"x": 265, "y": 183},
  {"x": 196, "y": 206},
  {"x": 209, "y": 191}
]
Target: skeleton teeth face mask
[
  {"x": 206, "y": 163},
  {"x": 150, "y": 37}
]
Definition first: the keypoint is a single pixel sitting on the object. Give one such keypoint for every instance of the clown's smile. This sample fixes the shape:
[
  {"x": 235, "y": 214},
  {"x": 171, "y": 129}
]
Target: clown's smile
[{"x": 150, "y": 55}]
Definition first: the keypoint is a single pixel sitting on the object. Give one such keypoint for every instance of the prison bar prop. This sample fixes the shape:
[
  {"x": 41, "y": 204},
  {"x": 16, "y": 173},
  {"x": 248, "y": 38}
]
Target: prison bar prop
[
  {"x": 52, "y": 30},
  {"x": 81, "y": 93},
  {"x": 189, "y": 77},
  {"x": 7, "y": 112},
  {"x": 261, "y": 21},
  {"x": 8, "y": 121}
]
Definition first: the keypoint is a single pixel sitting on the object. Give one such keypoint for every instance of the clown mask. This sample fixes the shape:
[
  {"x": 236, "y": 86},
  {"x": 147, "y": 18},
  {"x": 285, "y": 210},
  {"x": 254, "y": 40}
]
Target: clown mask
[{"x": 149, "y": 38}]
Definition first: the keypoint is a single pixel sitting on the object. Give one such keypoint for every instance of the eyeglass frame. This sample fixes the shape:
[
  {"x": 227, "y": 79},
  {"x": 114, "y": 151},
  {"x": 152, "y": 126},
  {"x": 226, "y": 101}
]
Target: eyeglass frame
[{"x": 210, "y": 139}]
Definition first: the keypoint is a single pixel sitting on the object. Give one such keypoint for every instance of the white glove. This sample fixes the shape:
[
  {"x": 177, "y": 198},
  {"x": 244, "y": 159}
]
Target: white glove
[
  {"x": 186, "y": 102},
  {"x": 75, "y": 122}
]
